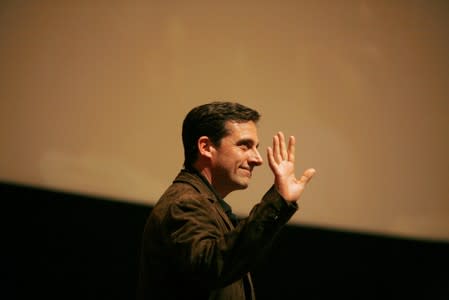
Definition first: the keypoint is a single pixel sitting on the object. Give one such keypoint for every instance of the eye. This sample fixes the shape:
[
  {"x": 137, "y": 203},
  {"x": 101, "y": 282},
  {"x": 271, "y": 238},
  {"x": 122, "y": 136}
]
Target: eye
[{"x": 244, "y": 145}]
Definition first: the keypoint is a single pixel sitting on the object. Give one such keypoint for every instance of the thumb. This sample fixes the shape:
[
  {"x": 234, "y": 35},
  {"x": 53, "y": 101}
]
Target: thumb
[{"x": 307, "y": 175}]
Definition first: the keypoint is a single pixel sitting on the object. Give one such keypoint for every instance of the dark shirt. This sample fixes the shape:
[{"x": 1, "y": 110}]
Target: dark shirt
[{"x": 226, "y": 207}]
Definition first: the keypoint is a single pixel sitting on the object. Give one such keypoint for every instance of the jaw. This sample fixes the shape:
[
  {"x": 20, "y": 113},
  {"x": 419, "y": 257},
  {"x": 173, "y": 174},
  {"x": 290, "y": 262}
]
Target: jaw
[{"x": 237, "y": 182}]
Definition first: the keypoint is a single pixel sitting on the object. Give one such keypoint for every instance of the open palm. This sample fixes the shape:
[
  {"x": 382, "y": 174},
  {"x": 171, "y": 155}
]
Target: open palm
[{"x": 282, "y": 163}]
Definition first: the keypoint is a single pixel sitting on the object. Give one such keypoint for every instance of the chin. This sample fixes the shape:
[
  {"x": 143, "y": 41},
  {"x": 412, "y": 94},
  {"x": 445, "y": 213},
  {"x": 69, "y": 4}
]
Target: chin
[
  {"x": 241, "y": 182},
  {"x": 243, "y": 185},
  {"x": 240, "y": 187}
]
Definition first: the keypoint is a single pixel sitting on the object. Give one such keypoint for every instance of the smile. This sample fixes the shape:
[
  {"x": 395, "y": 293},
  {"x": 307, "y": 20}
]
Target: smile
[{"x": 248, "y": 171}]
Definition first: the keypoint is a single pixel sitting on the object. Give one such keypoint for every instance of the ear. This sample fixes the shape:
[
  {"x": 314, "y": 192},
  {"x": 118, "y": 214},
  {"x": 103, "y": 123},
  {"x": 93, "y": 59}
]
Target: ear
[{"x": 205, "y": 146}]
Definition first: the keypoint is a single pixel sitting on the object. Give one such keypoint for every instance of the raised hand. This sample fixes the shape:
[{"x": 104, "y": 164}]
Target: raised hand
[{"x": 282, "y": 163}]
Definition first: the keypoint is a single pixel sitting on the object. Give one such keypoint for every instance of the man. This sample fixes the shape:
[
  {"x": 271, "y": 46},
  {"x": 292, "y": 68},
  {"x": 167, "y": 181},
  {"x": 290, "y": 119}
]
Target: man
[{"x": 193, "y": 246}]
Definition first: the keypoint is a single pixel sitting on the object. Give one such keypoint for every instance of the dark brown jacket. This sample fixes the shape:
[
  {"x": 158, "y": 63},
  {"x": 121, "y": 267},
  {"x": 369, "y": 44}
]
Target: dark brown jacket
[{"x": 191, "y": 249}]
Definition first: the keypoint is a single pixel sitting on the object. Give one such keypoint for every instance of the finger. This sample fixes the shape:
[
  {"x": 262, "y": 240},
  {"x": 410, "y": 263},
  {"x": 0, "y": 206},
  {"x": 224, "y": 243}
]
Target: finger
[
  {"x": 276, "y": 149},
  {"x": 291, "y": 149},
  {"x": 274, "y": 165},
  {"x": 270, "y": 156},
  {"x": 282, "y": 146},
  {"x": 307, "y": 175}
]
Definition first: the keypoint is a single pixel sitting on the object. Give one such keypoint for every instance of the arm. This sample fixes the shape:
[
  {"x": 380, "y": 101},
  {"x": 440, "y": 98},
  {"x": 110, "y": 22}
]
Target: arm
[{"x": 207, "y": 252}]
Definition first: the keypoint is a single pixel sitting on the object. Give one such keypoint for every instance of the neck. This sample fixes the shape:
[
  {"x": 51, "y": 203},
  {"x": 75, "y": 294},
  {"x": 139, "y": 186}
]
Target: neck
[{"x": 206, "y": 173}]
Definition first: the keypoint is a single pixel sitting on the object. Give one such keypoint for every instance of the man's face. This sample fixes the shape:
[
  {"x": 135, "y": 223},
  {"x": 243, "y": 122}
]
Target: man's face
[{"x": 233, "y": 161}]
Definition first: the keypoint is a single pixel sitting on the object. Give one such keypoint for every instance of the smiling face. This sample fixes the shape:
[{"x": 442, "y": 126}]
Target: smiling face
[{"x": 233, "y": 161}]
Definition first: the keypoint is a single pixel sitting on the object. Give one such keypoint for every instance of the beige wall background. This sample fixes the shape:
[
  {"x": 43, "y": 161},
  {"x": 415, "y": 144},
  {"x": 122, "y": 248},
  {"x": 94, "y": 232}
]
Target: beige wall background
[{"x": 93, "y": 94}]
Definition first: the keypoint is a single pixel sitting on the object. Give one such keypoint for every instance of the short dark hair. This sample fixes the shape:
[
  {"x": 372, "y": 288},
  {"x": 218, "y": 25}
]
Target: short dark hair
[{"x": 210, "y": 120}]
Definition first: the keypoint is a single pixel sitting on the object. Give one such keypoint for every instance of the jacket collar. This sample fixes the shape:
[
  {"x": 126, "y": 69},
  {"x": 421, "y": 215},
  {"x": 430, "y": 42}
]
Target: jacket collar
[
  {"x": 195, "y": 179},
  {"x": 199, "y": 182}
]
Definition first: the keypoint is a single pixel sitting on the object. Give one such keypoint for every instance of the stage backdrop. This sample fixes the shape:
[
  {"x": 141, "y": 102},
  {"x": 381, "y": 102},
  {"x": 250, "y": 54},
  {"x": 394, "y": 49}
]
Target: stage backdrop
[{"x": 93, "y": 94}]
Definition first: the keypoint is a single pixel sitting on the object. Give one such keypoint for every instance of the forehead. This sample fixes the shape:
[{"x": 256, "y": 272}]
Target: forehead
[{"x": 242, "y": 130}]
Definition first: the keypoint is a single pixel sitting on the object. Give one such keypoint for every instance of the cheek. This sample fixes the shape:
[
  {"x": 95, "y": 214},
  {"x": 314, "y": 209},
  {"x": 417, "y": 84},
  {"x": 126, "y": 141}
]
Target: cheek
[
  {"x": 239, "y": 156},
  {"x": 232, "y": 157}
]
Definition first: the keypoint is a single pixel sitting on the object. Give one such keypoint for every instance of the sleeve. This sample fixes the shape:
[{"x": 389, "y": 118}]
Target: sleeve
[{"x": 204, "y": 251}]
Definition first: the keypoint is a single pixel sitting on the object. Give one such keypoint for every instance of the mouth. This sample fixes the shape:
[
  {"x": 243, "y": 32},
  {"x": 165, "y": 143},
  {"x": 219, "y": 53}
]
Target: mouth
[{"x": 248, "y": 171}]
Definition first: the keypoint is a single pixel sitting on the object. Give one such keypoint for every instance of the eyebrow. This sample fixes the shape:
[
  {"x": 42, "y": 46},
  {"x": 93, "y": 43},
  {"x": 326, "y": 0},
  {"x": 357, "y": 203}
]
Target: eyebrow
[{"x": 248, "y": 142}]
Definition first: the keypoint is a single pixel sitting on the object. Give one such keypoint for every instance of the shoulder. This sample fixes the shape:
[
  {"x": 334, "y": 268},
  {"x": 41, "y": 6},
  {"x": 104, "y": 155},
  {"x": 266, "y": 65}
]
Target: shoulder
[{"x": 186, "y": 190}]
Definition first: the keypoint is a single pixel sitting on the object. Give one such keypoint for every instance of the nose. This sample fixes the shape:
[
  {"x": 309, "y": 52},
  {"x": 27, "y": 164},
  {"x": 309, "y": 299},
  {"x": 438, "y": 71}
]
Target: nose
[{"x": 256, "y": 158}]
